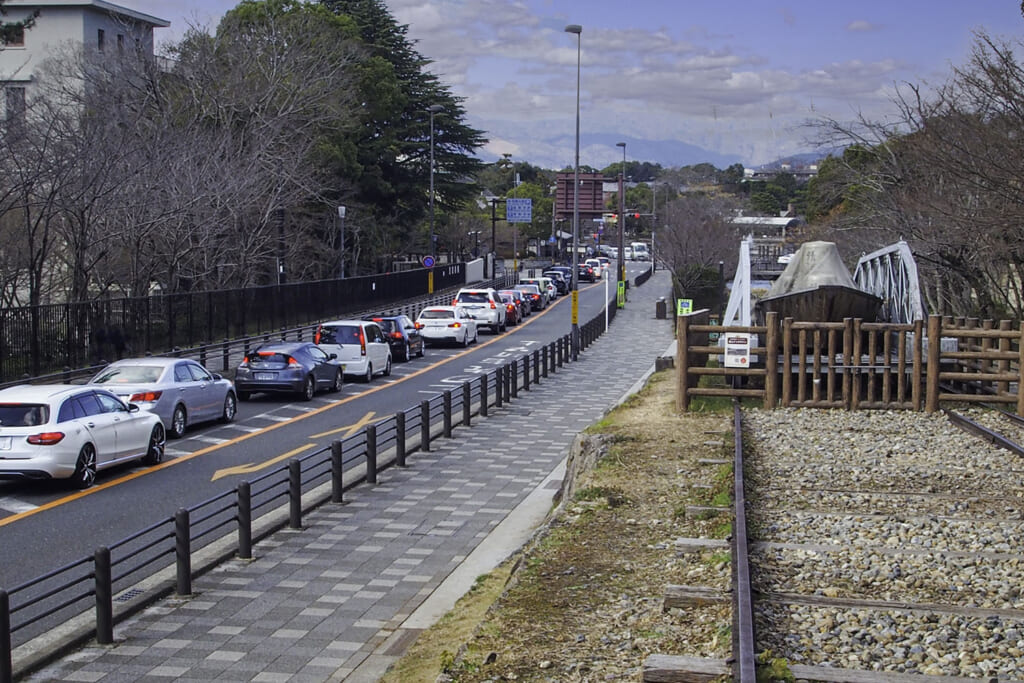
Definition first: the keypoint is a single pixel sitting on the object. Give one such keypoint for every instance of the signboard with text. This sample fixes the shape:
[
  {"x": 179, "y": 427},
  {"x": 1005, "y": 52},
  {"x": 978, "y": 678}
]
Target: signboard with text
[
  {"x": 737, "y": 350},
  {"x": 519, "y": 210}
]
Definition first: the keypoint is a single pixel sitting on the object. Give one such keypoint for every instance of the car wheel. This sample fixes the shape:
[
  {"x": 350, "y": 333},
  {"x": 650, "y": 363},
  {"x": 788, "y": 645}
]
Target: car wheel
[
  {"x": 157, "y": 441},
  {"x": 308, "y": 388},
  {"x": 465, "y": 338},
  {"x": 179, "y": 418},
  {"x": 244, "y": 395},
  {"x": 407, "y": 352},
  {"x": 85, "y": 468},
  {"x": 423, "y": 348},
  {"x": 338, "y": 381},
  {"x": 230, "y": 408},
  {"x": 387, "y": 368},
  {"x": 368, "y": 377}
]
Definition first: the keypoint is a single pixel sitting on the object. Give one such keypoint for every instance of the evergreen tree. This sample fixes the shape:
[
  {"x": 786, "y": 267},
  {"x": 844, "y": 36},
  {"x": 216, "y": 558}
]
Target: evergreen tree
[{"x": 387, "y": 153}]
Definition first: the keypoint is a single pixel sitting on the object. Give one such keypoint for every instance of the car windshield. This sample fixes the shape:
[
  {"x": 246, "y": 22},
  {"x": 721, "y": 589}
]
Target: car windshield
[
  {"x": 385, "y": 324},
  {"x": 473, "y": 297},
  {"x": 129, "y": 374},
  {"x": 339, "y": 334},
  {"x": 269, "y": 357},
  {"x": 23, "y": 414},
  {"x": 436, "y": 315}
]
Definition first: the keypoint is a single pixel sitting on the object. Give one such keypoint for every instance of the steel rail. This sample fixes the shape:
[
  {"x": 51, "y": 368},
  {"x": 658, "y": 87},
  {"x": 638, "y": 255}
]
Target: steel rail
[
  {"x": 993, "y": 437},
  {"x": 744, "y": 668}
]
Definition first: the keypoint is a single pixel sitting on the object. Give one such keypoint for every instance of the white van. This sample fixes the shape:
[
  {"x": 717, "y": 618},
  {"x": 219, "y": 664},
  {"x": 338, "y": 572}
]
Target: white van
[{"x": 640, "y": 252}]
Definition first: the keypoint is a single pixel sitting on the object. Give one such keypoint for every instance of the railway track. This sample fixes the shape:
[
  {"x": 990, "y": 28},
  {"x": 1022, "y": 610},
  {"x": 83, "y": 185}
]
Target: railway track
[{"x": 880, "y": 545}]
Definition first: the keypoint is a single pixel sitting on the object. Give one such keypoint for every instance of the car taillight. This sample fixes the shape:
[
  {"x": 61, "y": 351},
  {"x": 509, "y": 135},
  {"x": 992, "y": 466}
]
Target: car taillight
[
  {"x": 316, "y": 337},
  {"x": 145, "y": 397},
  {"x": 292, "y": 362},
  {"x": 493, "y": 307},
  {"x": 455, "y": 325},
  {"x": 455, "y": 302},
  {"x": 362, "y": 343},
  {"x": 396, "y": 335},
  {"x": 46, "y": 438}
]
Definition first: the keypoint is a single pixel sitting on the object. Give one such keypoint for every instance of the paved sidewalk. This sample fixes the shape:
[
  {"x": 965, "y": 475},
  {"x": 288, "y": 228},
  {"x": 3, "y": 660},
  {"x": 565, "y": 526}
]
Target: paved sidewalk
[{"x": 345, "y": 596}]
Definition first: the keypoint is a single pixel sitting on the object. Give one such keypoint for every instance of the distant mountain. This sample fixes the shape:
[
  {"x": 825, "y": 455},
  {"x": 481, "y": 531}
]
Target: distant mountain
[{"x": 668, "y": 153}]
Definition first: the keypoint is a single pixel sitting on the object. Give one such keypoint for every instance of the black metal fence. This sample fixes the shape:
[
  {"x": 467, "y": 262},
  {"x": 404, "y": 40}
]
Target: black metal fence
[
  {"x": 40, "y": 340},
  {"x": 118, "y": 581}
]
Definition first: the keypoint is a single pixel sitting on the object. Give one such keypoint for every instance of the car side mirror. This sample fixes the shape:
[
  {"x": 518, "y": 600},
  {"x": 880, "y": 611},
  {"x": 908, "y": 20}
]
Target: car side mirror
[
  {"x": 332, "y": 356},
  {"x": 132, "y": 408}
]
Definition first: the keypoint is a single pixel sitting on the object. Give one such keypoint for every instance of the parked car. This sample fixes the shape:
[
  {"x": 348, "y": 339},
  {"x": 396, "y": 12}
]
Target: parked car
[
  {"x": 288, "y": 367},
  {"x": 402, "y": 334},
  {"x": 558, "y": 277},
  {"x": 452, "y": 324},
  {"x": 545, "y": 285},
  {"x": 63, "y": 431},
  {"x": 586, "y": 273},
  {"x": 512, "y": 311},
  {"x": 359, "y": 345},
  {"x": 597, "y": 266},
  {"x": 538, "y": 301},
  {"x": 485, "y": 305},
  {"x": 179, "y": 390},
  {"x": 525, "y": 308}
]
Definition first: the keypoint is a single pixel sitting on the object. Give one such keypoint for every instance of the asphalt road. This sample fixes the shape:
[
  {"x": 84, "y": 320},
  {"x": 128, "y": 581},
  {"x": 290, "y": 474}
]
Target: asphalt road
[{"x": 45, "y": 525}]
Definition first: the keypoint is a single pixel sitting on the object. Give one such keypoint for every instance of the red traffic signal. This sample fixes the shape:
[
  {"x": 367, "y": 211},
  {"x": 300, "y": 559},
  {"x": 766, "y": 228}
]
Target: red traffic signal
[{"x": 636, "y": 215}]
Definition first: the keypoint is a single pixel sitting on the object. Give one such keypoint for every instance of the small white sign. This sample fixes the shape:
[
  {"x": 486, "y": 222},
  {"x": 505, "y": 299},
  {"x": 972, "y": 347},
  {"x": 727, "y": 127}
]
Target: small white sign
[{"x": 737, "y": 350}]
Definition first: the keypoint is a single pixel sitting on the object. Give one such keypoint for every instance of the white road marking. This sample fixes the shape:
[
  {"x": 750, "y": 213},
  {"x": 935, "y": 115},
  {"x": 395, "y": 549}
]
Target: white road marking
[{"x": 15, "y": 506}]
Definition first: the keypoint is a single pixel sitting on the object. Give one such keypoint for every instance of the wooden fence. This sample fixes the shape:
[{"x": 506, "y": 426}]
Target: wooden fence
[{"x": 854, "y": 364}]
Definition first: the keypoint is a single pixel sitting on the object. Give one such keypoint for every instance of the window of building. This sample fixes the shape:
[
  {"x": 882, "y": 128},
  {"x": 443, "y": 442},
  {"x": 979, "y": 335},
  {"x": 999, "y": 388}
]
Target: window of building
[
  {"x": 100, "y": 39},
  {"x": 14, "y": 101},
  {"x": 14, "y": 36}
]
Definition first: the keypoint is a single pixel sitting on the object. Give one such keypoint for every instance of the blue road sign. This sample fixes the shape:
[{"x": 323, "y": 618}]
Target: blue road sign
[
  {"x": 428, "y": 261},
  {"x": 519, "y": 210}
]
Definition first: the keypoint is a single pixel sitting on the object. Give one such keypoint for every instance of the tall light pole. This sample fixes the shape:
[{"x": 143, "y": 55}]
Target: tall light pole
[
  {"x": 433, "y": 109},
  {"x": 341, "y": 217},
  {"x": 578, "y": 30},
  {"x": 622, "y": 215}
]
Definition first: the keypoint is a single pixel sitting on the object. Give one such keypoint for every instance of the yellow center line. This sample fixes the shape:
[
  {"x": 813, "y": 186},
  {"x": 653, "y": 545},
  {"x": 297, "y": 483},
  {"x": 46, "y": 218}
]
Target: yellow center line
[{"x": 231, "y": 442}]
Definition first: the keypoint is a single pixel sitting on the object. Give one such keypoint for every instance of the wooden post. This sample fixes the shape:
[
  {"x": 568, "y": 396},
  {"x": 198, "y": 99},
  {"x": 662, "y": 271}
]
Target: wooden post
[
  {"x": 787, "y": 362},
  {"x": 856, "y": 380},
  {"x": 917, "y": 360},
  {"x": 847, "y": 359},
  {"x": 931, "y": 399},
  {"x": 1020, "y": 371},
  {"x": 771, "y": 360},
  {"x": 682, "y": 362},
  {"x": 1003, "y": 366}
]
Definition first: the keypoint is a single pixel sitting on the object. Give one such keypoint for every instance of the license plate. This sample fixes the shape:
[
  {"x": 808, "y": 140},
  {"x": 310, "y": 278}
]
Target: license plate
[
  {"x": 263, "y": 376},
  {"x": 5, "y": 443}
]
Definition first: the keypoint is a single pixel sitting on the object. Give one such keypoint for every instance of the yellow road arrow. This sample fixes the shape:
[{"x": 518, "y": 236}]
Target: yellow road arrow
[
  {"x": 250, "y": 468},
  {"x": 348, "y": 430}
]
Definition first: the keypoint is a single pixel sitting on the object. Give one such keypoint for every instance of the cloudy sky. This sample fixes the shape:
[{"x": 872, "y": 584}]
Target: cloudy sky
[{"x": 680, "y": 81}]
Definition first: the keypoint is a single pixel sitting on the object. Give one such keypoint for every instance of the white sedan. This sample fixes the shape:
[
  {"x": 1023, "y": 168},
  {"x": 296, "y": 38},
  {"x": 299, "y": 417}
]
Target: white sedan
[
  {"x": 63, "y": 431},
  {"x": 451, "y": 324}
]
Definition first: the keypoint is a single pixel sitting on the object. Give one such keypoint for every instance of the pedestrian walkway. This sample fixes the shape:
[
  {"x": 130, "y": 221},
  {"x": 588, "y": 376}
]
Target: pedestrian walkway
[{"x": 345, "y": 596}]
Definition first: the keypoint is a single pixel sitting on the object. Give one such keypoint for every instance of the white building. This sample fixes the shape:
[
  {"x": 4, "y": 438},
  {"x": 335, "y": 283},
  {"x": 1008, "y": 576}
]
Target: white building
[{"x": 96, "y": 24}]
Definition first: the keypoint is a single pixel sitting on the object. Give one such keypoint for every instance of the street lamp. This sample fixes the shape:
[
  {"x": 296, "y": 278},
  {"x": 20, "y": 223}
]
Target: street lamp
[
  {"x": 341, "y": 217},
  {"x": 578, "y": 30},
  {"x": 433, "y": 109},
  {"x": 622, "y": 214}
]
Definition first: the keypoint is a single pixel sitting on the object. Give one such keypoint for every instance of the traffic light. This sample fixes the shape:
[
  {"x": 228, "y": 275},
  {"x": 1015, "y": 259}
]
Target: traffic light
[{"x": 636, "y": 215}]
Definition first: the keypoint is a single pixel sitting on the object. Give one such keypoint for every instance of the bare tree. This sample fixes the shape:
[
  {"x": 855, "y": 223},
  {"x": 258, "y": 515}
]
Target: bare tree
[
  {"x": 944, "y": 175},
  {"x": 698, "y": 236}
]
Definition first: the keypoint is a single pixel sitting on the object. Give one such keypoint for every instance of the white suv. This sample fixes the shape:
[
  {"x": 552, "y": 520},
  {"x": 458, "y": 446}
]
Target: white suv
[{"x": 484, "y": 305}]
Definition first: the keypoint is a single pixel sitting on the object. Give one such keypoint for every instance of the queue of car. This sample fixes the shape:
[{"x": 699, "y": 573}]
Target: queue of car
[{"x": 128, "y": 409}]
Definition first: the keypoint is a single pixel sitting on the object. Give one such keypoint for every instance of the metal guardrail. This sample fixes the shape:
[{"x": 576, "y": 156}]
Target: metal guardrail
[
  {"x": 119, "y": 578},
  {"x": 228, "y": 353}
]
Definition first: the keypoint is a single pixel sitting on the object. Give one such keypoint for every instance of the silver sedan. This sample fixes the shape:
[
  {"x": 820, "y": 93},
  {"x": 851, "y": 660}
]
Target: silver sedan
[{"x": 180, "y": 390}]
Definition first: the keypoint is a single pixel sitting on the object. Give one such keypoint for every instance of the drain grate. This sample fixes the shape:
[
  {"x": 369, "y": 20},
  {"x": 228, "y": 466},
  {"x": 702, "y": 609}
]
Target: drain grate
[{"x": 129, "y": 595}]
